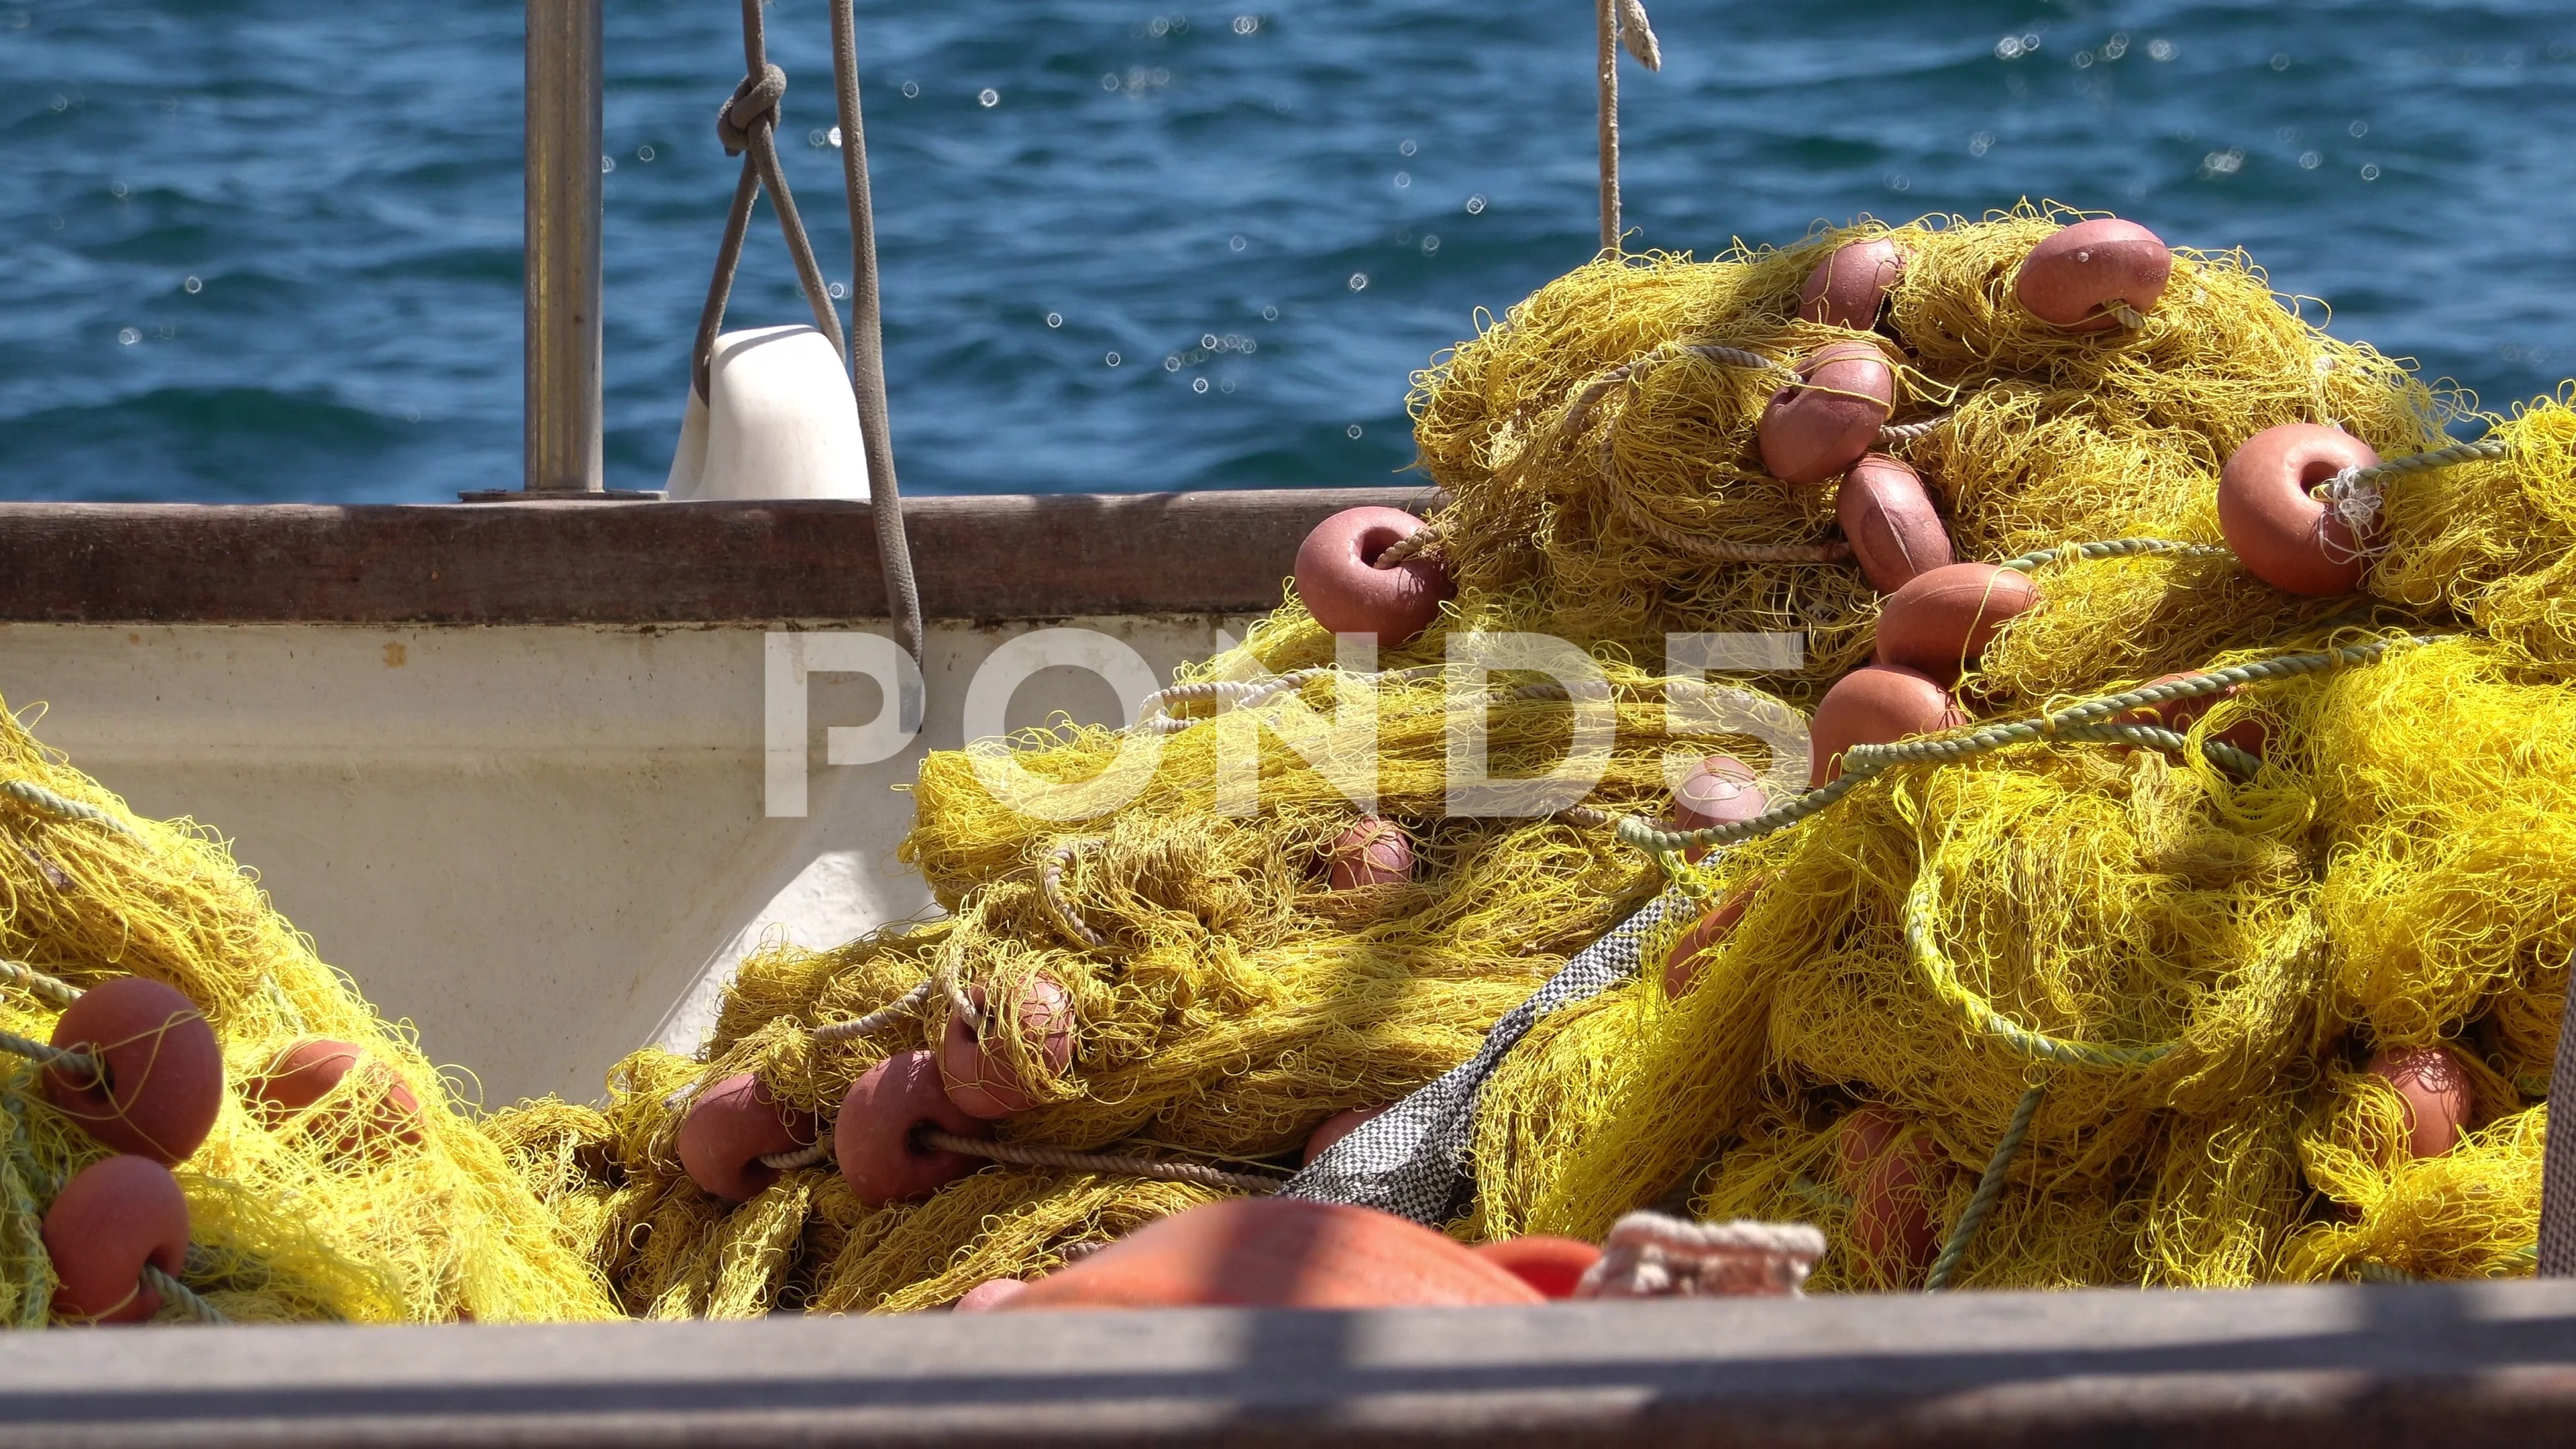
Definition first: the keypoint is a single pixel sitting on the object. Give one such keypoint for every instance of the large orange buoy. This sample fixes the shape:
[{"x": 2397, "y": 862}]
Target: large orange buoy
[
  {"x": 991, "y": 1294},
  {"x": 1891, "y": 1177},
  {"x": 310, "y": 1070},
  {"x": 163, "y": 1081},
  {"x": 1820, "y": 425},
  {"x": 1274, "y": 1252},
  {"x": 109, "y": 1220},
  {"x": 875, "y": 1139},
  {"x": 981, "y": 1081},
  {"x": 1851, "y": 284},
  {"x": 1876, "y": 704},
  {"x": 1886, "y": 514},
  {"x": 1373, "y": 852},
  {"x": 729, "y": 1128},
  {"x": 2078, "y": 277},
  {"x": 2179, "y": 715},
  {"x": 1335, "y": 1128},
  {"x": 1553, "y": 1266},
  {"x": 1719, "y": 790},
  {"x": 2439, "y": 1099},
  {"x": 1681, "y": 964},
  {"x": 1941, "y": 621},
  {"x": 1339, "y": 581},
  {"x": 2284, "y": 536}
]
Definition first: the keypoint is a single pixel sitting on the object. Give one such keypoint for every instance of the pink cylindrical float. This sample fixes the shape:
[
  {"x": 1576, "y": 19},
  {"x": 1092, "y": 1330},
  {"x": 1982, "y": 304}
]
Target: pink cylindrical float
[
  {"x": 1341, "y": 585},
  {"x": 982, "y": 1081},
  {"x": 2079, "y": 277},
  {"x": 1888, "y": 517},
  {"x": 1821, "y": 424},
  {"x": 1851, "y": 284},
  {"x": 2283, "y": 534}
]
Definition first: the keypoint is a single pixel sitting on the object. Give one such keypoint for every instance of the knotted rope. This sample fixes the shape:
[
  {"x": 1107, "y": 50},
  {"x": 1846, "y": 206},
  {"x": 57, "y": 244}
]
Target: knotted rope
[
  {"x": 45, "y": 802},
  {"x": 2038, "y": 559},
  {"x": 747, "y": 126},
  {"x": 2090, "y": 721},
  {"x": 1024, "y": 1154},
  {"x": 2354, "y": 496},
  {"x": 877, "y": 1020},
  {"x": 1989, "y": 1188}
]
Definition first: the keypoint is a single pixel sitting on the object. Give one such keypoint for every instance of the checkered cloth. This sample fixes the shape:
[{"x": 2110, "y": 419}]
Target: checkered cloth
[
  {"x": 1411, "y": 1160},
  {"x": 2557, "y": 1162}
]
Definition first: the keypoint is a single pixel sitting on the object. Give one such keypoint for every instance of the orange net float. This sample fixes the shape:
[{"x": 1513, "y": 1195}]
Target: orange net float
[
  {"x": 982, "y": 1082},
  {"x": 1719, "y": 790},
  {"x": 1276, "y": 1252},
  {"x": 730, "y": 1127},
  {"x": 1876, "y": 704},
  {"x": 1334, "y": 1129},
  {"x": 2439, "y": 1099},
  {"x": 991, "y": 1294},
  {"x": 310, "y": 1070},
  {"x": 1339, "y": 580},
  {"x": 875, "y": 1140},
  {"x": 1849, "y": 288},
  {"x": 111, "y": 1220},
  {"x": 1553, "y": 1266},
  {"x": 2272, "y": 519},
  {"x": 156, "y": 1077},
  {"x": 1943, "y": 619},
  {"x": 1373, "y": 852},
  {"x": 2081, "y": 278},
  {"x": 1887, "y": 515},
  {"x": 1817, "y": 426},
  {"x": 1892, "y": 1176},
  {"x": 1681, "y": 964}
]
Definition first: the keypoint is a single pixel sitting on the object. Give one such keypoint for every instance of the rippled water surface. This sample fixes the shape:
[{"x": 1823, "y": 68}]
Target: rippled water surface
[{"x": 269, "y": 249}]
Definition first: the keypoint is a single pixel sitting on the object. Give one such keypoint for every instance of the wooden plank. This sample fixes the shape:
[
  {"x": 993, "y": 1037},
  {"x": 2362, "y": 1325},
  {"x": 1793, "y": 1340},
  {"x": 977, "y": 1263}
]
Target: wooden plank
[
  {"x": 2457, "y": 1366},
  {"x": 1007, "y": 557}
]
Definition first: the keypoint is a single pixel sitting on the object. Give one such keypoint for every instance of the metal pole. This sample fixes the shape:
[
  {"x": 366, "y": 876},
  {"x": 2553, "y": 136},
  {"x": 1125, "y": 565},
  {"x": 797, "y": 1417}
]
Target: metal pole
[{"x": 563, "y": 348}]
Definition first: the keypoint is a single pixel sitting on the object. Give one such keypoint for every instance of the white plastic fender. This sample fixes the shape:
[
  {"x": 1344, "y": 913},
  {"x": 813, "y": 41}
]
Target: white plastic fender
[{"x": 779, "y": 422}]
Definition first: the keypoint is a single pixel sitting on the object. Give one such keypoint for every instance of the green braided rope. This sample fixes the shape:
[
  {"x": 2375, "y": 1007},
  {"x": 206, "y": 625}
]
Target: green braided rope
[
  {"x": 1989, "y": 1188},
  {"x": 174, "y": 1291},
  {"x": 1862, "y": 762},
  {"x": 60, "y": 993},
  {"x": 45, "y": 802},
  {"x": 73, "y": 1064},
  {"x": 2113, "y": 548},
  {"x": 1981, "y": 1013}
]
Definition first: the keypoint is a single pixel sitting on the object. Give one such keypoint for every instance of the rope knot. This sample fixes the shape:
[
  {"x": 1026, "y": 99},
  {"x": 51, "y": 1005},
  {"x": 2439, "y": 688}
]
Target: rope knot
[{"x": 752, "y": 101}]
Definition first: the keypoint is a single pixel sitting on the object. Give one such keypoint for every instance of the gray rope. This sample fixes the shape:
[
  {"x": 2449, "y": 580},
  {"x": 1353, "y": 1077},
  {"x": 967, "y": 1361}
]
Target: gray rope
[
  {"x": 877, "y": 1020},
  {"x": 174, "y": 1291},
  {"x": 1989, "y": 1188},
  {"x": 1024, "y": 1154},
  {"x": 80, "y": 1066},
  {"x": 2417, "y": 463},
  {"x": 60, "y": 993},
  {"x": 45, "y": 802},
  {"x": 2113, "y": 548},
  {"x": 1607, "y": 22},
  {"x": 867, "y": 355},
  {"x": 2089, "y": 721}
]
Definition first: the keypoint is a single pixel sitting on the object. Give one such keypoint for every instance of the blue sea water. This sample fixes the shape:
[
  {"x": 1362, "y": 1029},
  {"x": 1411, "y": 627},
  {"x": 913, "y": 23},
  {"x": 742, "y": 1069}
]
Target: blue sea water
[{"x": 269, "y": 250}]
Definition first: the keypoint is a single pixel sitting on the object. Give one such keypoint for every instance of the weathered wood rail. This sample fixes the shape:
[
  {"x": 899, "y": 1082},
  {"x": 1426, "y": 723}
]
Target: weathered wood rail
[{"x": 2352, "y": 1367}]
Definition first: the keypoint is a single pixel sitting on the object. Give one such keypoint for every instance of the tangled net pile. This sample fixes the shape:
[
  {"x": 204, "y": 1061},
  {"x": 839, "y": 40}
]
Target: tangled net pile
[
  {"x": 359, "y": 1207},
  {"x": 2151, "y": 977}
]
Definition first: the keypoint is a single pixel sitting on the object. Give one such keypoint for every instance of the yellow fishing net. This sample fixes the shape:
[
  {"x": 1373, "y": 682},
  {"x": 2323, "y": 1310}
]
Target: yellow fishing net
[
  {"x": 293, "y": 1216},
  {"x": 2154, "y": 976}
]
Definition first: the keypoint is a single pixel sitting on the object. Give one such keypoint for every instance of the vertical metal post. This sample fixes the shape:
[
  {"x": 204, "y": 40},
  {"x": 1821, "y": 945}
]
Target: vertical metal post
[{"x": 563, "y": 347}]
